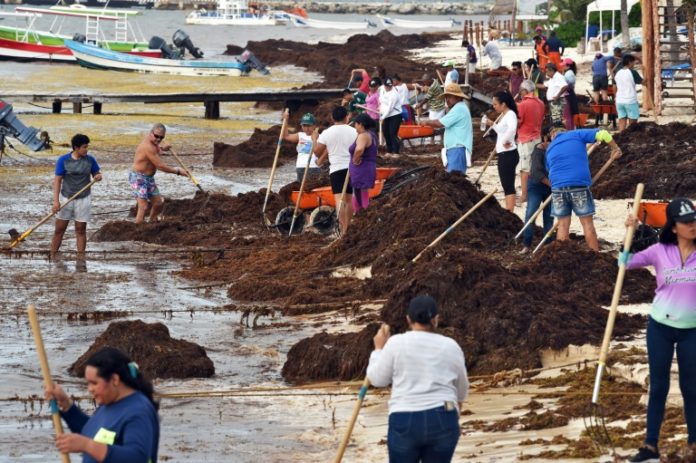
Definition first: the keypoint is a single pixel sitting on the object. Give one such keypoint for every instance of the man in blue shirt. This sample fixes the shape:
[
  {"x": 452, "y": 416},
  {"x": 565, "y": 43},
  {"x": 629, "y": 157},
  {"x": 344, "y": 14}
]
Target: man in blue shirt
[
  {"x": 459, "y": 132},
  {"x": 471, "y": 56},
  {"x": 570, "y": 178},
  {"x": 601, "y": 67},
  {"x": 73, "y": 172}
]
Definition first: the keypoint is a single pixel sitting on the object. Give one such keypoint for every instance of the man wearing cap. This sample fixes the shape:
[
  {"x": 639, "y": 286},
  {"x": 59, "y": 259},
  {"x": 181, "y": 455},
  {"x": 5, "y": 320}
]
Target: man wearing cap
[
  {"x": 530, "y": 118},
  {"x": 429, "y": 381},
  {"x": 306, "y": 140},
  {"x": 672, "y": 320},
  {"x": 434, "y": 97},
  {"x": 569, "y": 175},
  {"x": 459, "y": 132},
  {"x": 452, "y": 74},
  {"x": 372, "y": 100},
  {"x": 390, "y": 116},
  {"x": 601, "y": 66},
  {"x": 516, "y": 78},
  {"x": 354, "y": 101},
  {"x": 471, "y": 55},
  {"x": 490, "y": 49}
]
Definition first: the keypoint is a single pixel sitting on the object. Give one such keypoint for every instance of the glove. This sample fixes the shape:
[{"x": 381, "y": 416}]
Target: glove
[{"x": 624, "y": 257}]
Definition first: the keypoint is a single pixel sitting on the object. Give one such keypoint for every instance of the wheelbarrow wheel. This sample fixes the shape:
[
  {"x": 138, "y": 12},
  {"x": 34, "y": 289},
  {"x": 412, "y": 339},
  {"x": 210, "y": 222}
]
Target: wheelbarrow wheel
[
  {"x": 284, "y": 219},
  {"x": 322, "y": 220}
]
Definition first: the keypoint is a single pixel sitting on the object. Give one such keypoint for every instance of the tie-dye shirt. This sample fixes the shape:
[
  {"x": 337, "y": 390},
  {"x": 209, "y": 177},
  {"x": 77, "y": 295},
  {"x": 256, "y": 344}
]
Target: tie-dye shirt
[{"x": 675, "y": 297}]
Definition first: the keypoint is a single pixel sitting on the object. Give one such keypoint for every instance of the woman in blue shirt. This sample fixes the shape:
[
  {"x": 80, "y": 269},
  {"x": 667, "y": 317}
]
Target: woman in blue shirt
[{"x": 125, "y": 426}]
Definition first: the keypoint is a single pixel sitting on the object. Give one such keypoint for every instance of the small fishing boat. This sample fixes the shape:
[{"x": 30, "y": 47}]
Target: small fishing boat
[
  {"x": 319, "y": 24},
  {"x": 415, "y": 24},
  {"x": 235, "y": 13},
  {"x": 93, "y": 57}
]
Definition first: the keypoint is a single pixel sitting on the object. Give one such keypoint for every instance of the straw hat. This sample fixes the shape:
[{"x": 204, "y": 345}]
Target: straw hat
[{"x": 454, "y": 90}]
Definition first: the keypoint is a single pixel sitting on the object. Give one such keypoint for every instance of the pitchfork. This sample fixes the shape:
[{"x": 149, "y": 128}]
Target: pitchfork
[{"x": 596, "y": 427}]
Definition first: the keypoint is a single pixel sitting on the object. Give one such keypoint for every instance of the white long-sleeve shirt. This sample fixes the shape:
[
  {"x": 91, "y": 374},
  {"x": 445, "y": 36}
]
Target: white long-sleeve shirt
[
  {"x": 389, "y": 104},
  {"x": 506, "y": 129},
  {"x": 425, "y": 370}
]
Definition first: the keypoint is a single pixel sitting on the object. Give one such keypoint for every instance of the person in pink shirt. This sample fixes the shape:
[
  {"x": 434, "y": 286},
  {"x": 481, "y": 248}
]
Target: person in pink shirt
[
  {"x": 530, "y": 119},
  {"x": 672, "y": 320},
  {"x": 361, "y": 78},
  {"x": 372, "y": 100}
]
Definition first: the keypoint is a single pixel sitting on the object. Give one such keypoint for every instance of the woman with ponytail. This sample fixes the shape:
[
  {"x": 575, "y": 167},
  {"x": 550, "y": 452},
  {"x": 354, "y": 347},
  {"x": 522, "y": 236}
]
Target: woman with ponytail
[
  {"x": 125, "y": 426},
  {"x": 429, "y": 381}
]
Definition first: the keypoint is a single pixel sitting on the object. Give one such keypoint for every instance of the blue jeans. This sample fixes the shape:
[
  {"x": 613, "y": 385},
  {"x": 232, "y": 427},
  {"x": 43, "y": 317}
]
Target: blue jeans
[
  {"x": 661, "y": 340},
  {"x": 429, "y": 436},
  {"x": 536, "y": 194},
  {"x": 572, "y": 199}
]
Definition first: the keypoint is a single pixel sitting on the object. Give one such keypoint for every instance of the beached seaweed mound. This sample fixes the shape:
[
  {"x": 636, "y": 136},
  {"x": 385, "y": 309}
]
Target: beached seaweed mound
[
  {"x": 257, "y": 151},
  {"x": 663, "y": 157},
  {"x": 502, "y": 316},
  {"x": 157, "y": 354},
  {"x": 204, "y": 220}
]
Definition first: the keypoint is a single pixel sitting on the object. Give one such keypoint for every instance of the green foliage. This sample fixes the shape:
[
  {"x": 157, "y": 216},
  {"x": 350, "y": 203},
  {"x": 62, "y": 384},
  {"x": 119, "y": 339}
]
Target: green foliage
[{"x": 571, "y": 32}]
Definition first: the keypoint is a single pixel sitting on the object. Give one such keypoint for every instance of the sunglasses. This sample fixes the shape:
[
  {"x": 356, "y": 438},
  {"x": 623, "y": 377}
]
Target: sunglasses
[{"x": 158, "y": 137}]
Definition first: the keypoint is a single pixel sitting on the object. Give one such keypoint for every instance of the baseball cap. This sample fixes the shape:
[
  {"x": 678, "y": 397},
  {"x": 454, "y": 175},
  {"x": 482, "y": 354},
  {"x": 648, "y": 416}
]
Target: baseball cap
[
  {"x": 374, "y": 83},
  {"x": 388, "y": 82},
  {"x": 307, "y": 119},
  {"x": 422, "y": 309},
  {"x": 449, "y": 62},
  {"x": 681, "y": 210},
  {"x": 538, "y": 28}
]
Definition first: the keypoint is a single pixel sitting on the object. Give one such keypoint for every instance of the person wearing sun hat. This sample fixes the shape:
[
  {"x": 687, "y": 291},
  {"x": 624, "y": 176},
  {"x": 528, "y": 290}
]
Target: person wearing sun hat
[
  {"x": 429, "y": 381},
  {"x": 459, "y": 132},
  {"x": 672, "y": 320},
  {"x": 452, "y": 74},
  {"x": 306, "y": 140}
]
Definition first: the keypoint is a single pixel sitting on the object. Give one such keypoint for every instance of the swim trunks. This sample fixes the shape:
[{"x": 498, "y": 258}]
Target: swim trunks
[{"x": 144, "y": 186}]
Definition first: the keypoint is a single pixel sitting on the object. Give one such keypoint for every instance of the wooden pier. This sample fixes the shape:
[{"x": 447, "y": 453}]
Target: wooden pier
[{"x": 211, "y": 101}]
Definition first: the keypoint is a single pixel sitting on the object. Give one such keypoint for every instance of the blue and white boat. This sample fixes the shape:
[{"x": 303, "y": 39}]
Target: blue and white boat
[
  {"x": 336, "y": 25},
  {"x": 425, "y": 24},
  {"x": 93, "y": 57}
]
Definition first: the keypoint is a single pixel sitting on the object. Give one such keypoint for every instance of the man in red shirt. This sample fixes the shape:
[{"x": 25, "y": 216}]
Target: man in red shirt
[{"x": 530, "y": 116}]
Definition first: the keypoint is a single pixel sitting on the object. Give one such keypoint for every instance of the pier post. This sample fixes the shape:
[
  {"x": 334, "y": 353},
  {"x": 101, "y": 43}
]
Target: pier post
[
  {"x": 212, "y": 109},
  {"x": 97, "y": 107},
  {"x": 57, "y": 106},
  {"x": 77, "y": 108}
]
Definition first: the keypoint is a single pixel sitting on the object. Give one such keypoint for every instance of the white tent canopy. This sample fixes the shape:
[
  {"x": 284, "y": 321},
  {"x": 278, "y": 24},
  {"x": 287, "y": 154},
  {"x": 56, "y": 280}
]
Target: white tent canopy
[{"x": 604, "y": 5}]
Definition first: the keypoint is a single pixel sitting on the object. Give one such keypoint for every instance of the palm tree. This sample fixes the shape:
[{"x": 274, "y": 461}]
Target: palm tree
[{"x": 625, "y": 36}]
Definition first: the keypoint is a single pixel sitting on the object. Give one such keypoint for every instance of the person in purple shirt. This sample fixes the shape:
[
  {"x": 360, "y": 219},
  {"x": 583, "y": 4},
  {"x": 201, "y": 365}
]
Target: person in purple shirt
[
  {"x": 125, "y": 426},
  {"x": 363, "y": 161},
  {"x": 672, "y": 320}
]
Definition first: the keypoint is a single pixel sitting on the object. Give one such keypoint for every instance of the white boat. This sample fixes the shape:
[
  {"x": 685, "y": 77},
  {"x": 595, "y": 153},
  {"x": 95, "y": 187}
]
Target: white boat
[
  {"x": 93, "y": 57},
  {"x": 319, "y": 24},
  {"x": 235, "y": 13},
  {"x": 414, "y": 24}
]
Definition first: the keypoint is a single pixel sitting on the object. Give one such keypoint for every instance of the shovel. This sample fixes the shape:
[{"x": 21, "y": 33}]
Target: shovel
[
  {"x": 17, "y": 238},
  {"x": 48, "y": 381},
  {"x": 273, "y": 169},
  {"x": 188, "y": 172}
]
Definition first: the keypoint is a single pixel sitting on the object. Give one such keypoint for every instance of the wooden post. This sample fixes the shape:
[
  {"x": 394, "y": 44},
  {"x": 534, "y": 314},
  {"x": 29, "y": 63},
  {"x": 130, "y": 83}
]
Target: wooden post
[
  {"x": 57, "y": 106},
  {"x": 692, "y": 50},
  {"x": 97, "y": 107},
  {"x": 648, "y": 56},
  {"x": 77, "y": 107},
  {"x": 657, "y": 64},
  {"x": 212, "y": 109}
]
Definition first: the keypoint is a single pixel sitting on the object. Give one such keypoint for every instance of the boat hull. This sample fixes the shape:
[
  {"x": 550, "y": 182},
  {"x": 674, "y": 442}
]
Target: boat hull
[
  {"x": 318, "y": 24},
  {"x": 411, "y": 24},
  {"x": 96, "y": 58},
  {"x": 23, "y": 51},
  {"x": 46, "y": 38},
  {"x": 221, "y": 20}
]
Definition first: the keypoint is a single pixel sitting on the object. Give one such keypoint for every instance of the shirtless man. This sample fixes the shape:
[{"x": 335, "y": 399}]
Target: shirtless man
[{"x": 145, "y": 165}]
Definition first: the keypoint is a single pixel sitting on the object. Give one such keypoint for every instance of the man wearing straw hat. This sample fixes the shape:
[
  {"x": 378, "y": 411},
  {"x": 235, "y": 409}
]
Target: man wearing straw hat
[{"x": 459, "y": 133}]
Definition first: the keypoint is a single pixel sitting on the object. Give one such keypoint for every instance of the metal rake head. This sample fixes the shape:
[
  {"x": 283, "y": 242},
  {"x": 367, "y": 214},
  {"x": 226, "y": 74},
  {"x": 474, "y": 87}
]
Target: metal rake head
[{"x": 596, "y": 428}]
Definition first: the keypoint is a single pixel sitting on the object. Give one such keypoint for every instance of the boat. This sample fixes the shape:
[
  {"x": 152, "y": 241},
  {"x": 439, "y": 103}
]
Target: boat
[
  {"x": 319, "y": 24},
  {"x": 413, "y": 24},
  {"x": 235, "y": 13},
  {"x": 93, "y": 57},
  {"x": 27, "y": 45}
]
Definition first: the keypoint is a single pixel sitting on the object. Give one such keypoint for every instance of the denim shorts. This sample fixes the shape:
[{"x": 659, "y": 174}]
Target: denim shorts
[
  {"x": 572, "y": 199},
  {"x": 628, "y": 110}
]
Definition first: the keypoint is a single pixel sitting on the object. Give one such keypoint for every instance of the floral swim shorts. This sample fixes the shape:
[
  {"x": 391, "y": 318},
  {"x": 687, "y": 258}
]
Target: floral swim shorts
[{"x": 144, "y": 186}]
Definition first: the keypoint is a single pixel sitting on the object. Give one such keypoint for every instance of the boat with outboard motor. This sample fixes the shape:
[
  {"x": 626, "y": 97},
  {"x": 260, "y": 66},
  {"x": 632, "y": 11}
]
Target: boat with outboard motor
[
  {"x": 236, "y": 13},
  {"x": 93, "y": 57}
]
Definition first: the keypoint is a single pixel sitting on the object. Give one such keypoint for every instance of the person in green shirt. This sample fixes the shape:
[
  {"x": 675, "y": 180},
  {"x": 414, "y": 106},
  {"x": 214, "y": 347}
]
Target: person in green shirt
[
  {"x": 434, "y": 97},
  {"x": 354, "y": 102}
]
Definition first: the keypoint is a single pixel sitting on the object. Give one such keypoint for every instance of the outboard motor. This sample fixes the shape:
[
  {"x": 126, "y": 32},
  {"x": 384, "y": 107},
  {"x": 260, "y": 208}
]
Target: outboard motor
[
  {"x": 13, "y": 127},
  {"x": 158, "y": 43},
  {"x": 247, "y": 58},
  {"x": 79, "y": 38},
  {"x": 183, "y": 42}
]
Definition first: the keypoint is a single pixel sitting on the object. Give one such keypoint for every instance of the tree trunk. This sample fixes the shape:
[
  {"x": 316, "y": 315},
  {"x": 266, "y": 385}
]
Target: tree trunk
[{"x": 625, "y": 36}]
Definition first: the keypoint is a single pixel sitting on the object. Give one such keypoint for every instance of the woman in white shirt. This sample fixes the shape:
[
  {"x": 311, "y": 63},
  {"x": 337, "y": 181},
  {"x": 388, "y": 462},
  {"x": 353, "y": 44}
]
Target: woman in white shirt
[
  {"x": 429, "y": 382},
  {"x": 390, "y": 115},
  {"x": 306, "y": 140},
  {"x": 505, "y": 146},
  {"x": 556, "y": 92}
]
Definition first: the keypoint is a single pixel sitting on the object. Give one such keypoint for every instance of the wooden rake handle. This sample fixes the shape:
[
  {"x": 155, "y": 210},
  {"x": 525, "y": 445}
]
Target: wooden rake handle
[
  {"x": 275, "y": 160},
  {"x": 351, "y": 423},
  {"x": 48, "y": 381},
  {"x": 188, "y": 172}
]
